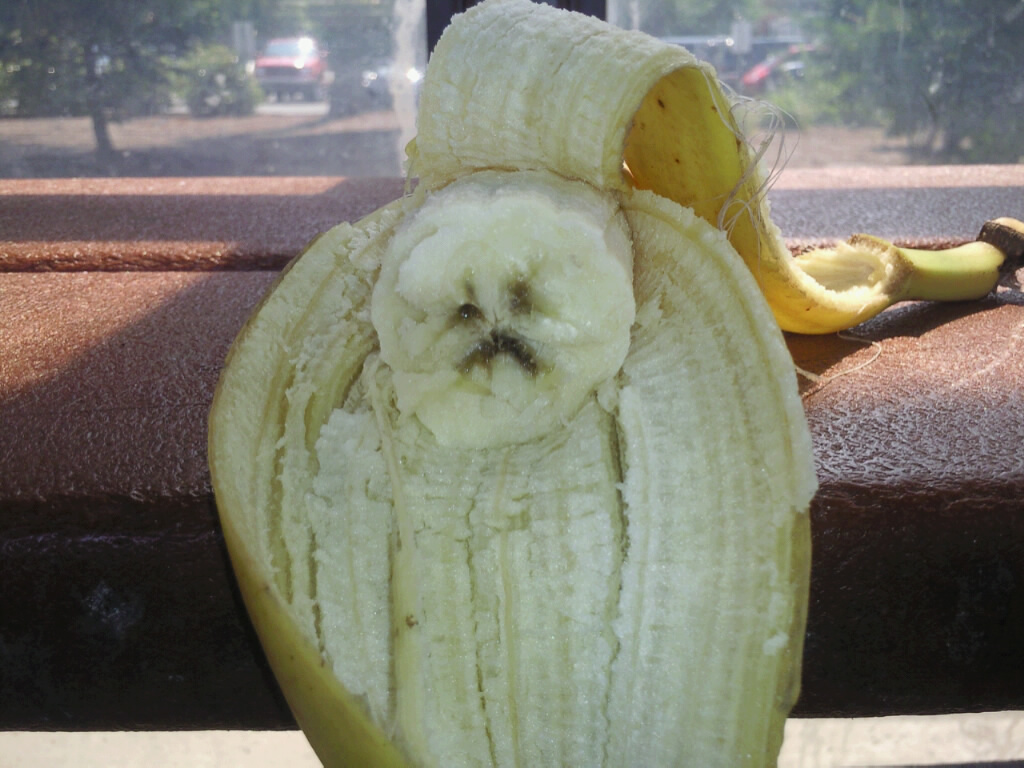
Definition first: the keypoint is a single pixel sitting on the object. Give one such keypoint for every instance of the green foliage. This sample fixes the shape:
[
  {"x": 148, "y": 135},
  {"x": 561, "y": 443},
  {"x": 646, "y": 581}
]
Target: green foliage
[
  {"x": 107, "y": 59},
  {"x": 819, "y": 97},
  {"x": 214, "y": 82},
  {"x": 946, "y": 73},
  {"x": 67, "y": 57}
]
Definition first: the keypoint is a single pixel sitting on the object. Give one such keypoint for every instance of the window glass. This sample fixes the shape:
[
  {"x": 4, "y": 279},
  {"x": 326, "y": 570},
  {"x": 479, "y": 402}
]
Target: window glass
[
  {"x": 865, "y": 82},
  {"x": 329, "y": 87},
  {"x": 208, "y": 87}
]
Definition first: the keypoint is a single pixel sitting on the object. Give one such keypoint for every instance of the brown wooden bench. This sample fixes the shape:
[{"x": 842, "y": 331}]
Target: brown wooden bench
[{"x": 119, "y": 298}]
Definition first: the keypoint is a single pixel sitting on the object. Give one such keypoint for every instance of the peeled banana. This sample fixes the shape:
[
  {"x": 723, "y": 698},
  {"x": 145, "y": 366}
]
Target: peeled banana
[
  {"x": 620, "y": 579},
  {"x": 514, "y": 470}
]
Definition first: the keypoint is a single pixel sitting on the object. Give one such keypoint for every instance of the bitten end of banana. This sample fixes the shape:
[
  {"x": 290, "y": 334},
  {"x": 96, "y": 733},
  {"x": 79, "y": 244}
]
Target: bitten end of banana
[{"x": 864, "y": 275}]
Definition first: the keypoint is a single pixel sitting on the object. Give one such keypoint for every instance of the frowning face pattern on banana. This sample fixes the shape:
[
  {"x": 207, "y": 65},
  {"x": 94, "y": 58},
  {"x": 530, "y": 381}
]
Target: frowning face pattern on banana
[{"x": 502, "y": 303}]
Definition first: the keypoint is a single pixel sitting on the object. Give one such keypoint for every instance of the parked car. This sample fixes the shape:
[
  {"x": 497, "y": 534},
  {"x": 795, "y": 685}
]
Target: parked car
[
  {"x": 717, "y": 50},
  {"x": 376, "y": 82},
  {"x": 732, "y": 61},
  {"x": 293, "y": 66},
  {"x": 365, "y": 88},
  {"x": 776, "y": 70}
]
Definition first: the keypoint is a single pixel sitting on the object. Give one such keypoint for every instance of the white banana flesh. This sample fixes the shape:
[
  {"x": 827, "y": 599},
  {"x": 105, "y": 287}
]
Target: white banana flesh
[{"x": 504, "y": 300}]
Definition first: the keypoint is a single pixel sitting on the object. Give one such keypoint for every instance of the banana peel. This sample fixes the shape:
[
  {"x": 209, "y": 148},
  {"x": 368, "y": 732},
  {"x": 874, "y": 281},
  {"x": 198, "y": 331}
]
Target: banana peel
[
  {"x": 699, "y": 460},
  {"x": 443, "y": 572},
  {"x": 622, "y": 110}
]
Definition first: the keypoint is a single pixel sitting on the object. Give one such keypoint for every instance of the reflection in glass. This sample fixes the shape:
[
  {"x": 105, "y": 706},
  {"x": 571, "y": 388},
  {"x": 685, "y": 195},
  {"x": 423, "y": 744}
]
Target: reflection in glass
[
  {"x": 208, "y": 87},
  {"x": 330, "y": 87},
  {"x": 868, "y": 82}
]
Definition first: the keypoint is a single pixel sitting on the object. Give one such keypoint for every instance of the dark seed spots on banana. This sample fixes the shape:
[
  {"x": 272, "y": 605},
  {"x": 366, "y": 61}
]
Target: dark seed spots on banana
[
  {"x": 469, "y": 312},
  {"x": 519, "y": 298},
  {"x": 480, "y": 354},
  {"x": 499, "y": 343},
  {"x": 518, "y": 350}
]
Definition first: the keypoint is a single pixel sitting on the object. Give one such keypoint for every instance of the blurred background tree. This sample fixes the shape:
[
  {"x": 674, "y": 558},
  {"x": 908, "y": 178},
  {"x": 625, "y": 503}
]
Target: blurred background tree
[
  {"x": 107, "y": 59},
  {"x": 947, "y": 74}
]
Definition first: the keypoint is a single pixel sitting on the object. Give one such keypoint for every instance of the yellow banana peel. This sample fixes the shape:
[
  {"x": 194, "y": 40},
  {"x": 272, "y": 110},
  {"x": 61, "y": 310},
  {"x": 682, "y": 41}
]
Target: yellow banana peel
[{"x": 623, "y": 110}]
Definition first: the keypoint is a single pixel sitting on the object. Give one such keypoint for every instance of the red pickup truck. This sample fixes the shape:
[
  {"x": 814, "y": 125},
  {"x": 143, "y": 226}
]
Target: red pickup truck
[{"x": 291, "y": 66}]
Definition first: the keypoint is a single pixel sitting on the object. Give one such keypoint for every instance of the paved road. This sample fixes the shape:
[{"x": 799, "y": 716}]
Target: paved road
[
  {"x": 303, "y": 138},
  {"x": 277, "y": 109},
  {"x": 294, "y": 108},
  {"x": 294, "y": 139}
]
